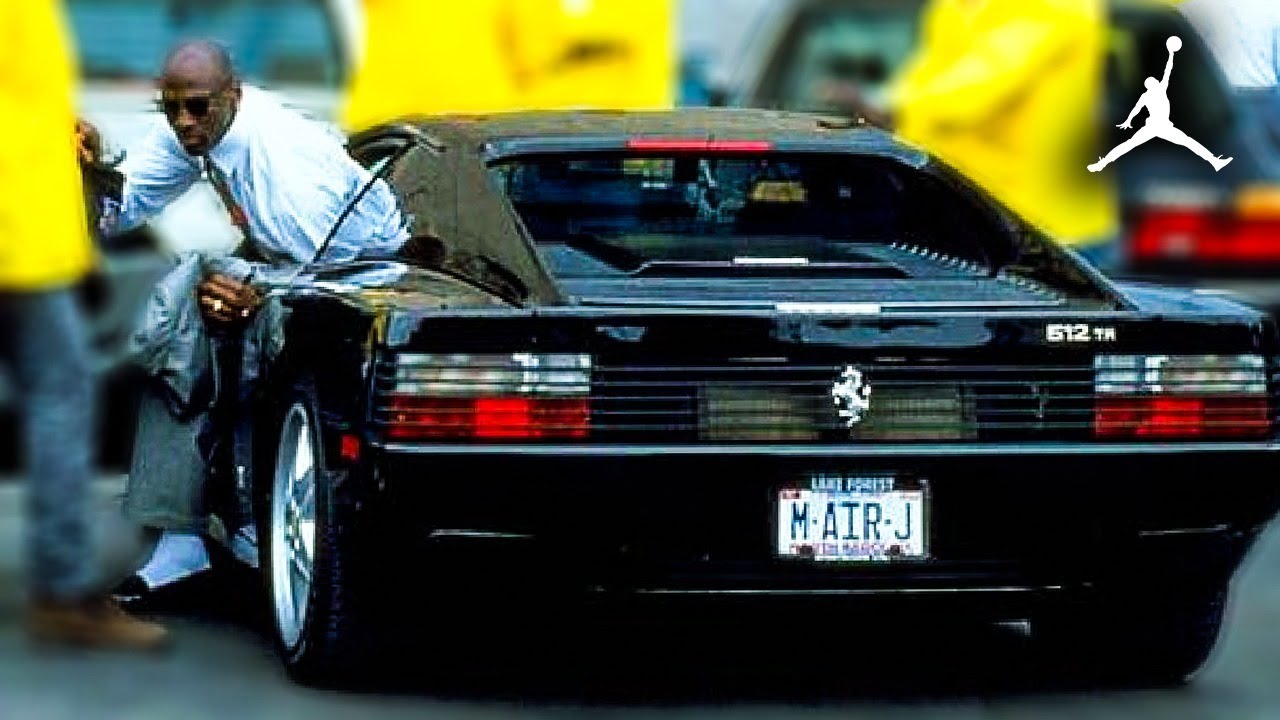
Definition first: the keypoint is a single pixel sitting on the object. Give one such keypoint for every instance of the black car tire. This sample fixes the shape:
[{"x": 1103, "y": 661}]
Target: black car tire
[
  {"x": 327, "y": 643},
  {"x": 1139, "y": 638}
]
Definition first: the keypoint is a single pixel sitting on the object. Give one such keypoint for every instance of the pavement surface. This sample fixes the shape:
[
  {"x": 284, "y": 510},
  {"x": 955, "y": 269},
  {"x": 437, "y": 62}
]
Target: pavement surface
[{"x": 222, "y": 666}]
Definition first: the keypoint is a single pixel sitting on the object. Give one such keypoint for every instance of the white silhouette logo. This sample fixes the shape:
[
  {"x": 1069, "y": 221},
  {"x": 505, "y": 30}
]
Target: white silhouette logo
[
  {"x": 852, "y": 396},
  {"x": 1156, "y": 101}
]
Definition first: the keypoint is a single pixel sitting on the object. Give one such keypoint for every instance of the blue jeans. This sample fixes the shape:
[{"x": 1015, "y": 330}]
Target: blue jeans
[{"x": 45, "y": 344}]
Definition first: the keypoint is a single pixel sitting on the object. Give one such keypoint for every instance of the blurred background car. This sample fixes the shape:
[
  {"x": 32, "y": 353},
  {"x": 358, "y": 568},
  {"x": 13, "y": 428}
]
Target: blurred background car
[
  {"x": 806, "y": 45},
  {"x": 1184, "y": 222},
  {"x": 1181, "y": 221}
]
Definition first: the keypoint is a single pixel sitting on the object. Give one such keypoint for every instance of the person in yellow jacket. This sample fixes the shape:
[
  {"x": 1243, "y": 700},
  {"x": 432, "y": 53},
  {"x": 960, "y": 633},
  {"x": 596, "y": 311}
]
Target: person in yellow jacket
[
  {"x": 1009, "y": 92},
  {"x": 45, "y": 251},
  {"x": 428, "y": 57},
  {"x": 484, "y": 56}
]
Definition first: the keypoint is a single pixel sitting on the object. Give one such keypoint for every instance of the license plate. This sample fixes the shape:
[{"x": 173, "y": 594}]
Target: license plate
[{"x": 853, "y": 519}]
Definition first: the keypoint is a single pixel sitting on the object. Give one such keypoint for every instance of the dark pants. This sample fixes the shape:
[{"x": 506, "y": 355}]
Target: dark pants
[{"x": 207, "y": 456}]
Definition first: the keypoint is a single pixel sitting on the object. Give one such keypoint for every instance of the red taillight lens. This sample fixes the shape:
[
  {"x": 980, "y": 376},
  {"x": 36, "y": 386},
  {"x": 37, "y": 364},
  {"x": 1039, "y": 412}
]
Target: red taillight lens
[
  {"x": 1181, "y": 397},
  {"x": 416, "y": 418},
  {"x": 1204, "y": 236},
  {"x": 515, "y": 396},
  {"x": 1181, "y": 418}
]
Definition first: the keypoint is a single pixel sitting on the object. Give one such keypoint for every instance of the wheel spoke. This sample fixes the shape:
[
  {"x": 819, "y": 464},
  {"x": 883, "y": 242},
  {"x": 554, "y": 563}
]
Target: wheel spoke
[
  {"x": 300, "y": 566},
  {"x": 307, "y": 531},
  {"x": 304, "y": 494},
  {"x": 304, "y": 464}
]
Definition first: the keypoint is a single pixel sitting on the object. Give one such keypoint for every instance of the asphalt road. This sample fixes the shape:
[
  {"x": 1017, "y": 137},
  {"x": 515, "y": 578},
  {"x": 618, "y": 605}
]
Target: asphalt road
[{"x": 222, "y": 667}]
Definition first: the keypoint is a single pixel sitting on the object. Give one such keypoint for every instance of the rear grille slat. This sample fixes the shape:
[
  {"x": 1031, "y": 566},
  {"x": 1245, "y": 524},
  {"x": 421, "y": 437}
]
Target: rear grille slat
[{"x": 911, "y": 400}]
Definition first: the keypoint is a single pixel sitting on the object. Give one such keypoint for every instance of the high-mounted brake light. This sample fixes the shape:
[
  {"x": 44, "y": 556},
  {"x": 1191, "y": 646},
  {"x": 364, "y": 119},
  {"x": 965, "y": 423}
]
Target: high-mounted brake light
[
  {"x": 698, "y": 145},
  {"x": 1181, "y": 397},
  {"x": 491, "y": 396}
]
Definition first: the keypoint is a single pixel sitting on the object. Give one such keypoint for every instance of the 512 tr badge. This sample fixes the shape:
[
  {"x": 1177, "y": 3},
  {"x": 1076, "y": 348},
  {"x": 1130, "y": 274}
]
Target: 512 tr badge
[{"x": 1079, "y": 333}]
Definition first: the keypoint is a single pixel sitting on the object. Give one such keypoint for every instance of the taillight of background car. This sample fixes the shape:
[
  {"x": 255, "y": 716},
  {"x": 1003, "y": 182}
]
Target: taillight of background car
[
  {"x": 488, "y": 397},
  {"x": 1243, "y": 234},
  {"x": 1181, "y": 397}
]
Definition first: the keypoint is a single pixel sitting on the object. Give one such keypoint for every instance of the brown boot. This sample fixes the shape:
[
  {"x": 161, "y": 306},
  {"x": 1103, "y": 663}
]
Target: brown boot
[{"x": 96, "y": 622}]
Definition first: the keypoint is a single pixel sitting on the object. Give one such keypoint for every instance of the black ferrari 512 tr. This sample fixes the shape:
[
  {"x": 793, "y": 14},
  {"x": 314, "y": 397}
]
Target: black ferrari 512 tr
[{"x": 711, "y": 357}]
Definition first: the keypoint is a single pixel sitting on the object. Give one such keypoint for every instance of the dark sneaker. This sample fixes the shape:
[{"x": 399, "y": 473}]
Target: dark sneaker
[{"x": 190, "y": 593}]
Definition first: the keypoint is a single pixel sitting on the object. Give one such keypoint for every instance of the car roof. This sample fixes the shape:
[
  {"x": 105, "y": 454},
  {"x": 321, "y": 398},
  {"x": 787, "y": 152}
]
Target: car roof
[{"x": 719, "y": 123}]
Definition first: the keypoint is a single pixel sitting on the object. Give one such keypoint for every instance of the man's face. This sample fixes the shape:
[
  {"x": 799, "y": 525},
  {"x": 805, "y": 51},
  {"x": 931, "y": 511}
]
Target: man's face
[{"x": 199, "y": 111}]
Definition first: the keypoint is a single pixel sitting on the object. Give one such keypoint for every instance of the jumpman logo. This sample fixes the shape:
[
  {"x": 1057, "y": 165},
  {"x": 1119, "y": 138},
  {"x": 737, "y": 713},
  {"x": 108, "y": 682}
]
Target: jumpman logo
[{"x": 1156, "y": 101}]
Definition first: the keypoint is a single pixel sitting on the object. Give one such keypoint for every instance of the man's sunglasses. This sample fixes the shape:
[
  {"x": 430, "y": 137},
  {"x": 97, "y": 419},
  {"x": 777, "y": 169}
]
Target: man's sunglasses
[{"x": 198, "y": 107}]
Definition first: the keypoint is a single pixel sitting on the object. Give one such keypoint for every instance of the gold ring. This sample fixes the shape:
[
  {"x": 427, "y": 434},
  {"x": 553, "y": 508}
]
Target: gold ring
[
  {"x": 217, "y": 305},
  {"x": 244, "y": 313}
]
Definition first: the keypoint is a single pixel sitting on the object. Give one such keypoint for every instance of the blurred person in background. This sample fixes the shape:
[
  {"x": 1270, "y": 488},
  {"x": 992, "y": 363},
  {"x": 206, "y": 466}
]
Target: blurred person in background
[
  {"x": 461, "y": 44},
  {"x": 1010, "y": 93},
  {"x": 284, "y": 180},
  {"x": 45, "y": 252},
  {"x": 504, "y": 55}
]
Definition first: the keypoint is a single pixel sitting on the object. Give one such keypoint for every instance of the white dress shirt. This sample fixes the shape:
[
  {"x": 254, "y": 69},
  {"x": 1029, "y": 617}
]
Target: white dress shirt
[
  {"x": 1244, "y": 35},
  {"x": 290, "y": 175}
]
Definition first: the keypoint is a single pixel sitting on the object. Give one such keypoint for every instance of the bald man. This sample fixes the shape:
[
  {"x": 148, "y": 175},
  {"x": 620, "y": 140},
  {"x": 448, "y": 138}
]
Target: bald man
[
  {"x": 284, "y": 178},
  {"x": 284, "y": 181}
]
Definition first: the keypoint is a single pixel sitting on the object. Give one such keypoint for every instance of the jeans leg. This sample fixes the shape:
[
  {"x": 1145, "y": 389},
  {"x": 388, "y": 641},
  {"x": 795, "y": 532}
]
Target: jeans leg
[{"x": 51, "y": 359}]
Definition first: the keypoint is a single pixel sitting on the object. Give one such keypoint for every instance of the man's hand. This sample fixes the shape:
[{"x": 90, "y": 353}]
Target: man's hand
[
  {"x": 225, "y": 299},
  {"x": 1125, "y": 125},
  {"x": 88, "y": 143}
]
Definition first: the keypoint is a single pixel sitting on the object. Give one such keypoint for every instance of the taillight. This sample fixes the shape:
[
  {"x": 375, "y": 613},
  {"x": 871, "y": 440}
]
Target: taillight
[
  {"x": 1180, "y": 397},
  {"x": 489, "y": 397},
  {"x": 1201, "y": 232}
]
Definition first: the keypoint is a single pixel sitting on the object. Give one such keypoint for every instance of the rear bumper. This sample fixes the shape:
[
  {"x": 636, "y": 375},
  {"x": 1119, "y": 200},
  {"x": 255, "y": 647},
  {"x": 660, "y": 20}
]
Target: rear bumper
[{"x": 1009, "y": 526}]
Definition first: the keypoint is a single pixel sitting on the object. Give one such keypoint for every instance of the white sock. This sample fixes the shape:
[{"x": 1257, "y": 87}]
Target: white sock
[{"x": 177, "y": 556}]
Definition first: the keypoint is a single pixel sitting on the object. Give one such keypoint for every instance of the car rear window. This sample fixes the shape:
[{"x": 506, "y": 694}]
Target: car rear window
[
  {"x": 275, "y": 42},
  {"x": 619, "y": 213}
]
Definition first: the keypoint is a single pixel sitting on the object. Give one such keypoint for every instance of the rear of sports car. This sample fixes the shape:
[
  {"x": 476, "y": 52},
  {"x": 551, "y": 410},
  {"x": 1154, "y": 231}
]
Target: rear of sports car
[{"x": 826, "y": 375}]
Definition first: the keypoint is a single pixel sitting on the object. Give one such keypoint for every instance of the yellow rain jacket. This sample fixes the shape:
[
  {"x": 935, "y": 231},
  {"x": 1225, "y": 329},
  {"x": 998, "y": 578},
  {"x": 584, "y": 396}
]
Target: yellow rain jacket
[
  {"x": 1009, "y": 92},
  {"x": 428, "y": 57},
  {"x": 482, "y": 56},
  {"x": 44, "y": 243}
]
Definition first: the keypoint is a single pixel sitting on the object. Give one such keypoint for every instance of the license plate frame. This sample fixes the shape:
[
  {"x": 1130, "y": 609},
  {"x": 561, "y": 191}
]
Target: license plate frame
[{"x": 908, "y": 497}]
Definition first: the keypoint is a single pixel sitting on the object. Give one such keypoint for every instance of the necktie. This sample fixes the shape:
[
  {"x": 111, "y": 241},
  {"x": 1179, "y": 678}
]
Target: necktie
[{"x": 239, "y": 218}]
